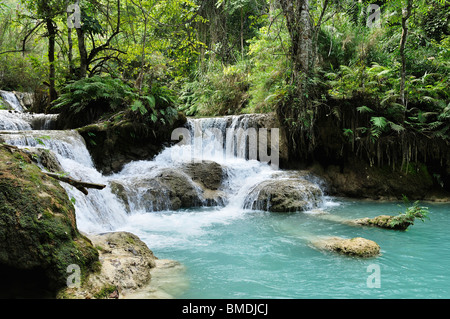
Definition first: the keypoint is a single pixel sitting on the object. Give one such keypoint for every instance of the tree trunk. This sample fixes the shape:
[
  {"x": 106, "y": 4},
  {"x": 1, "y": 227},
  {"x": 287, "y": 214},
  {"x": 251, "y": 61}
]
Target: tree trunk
[
  {"x": 80, "y": 185},
  {"x": 83, "y": 54},
  {"x": 406, "y": 14},
  {"x": 70, "y": 53},
  {"x": 300, "y": 30},
  {"x": 242, "y": 32},
  {"x": 51, "y": 28}
]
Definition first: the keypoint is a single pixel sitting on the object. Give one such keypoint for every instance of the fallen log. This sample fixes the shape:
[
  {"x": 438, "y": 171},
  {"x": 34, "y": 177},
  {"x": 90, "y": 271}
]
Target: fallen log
[{"x": 80, "y": 185}]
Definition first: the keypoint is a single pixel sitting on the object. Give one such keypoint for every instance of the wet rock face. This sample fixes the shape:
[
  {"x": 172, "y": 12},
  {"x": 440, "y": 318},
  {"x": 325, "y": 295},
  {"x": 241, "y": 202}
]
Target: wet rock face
[
  {"x": 193, "y": 185},
  {"x": 126, "y": 267},
  {"x": 113, "y": 145},
  {"x": 38, "y": 230},
  {"x": 208, "y": 173},
  {"x": 289, "y": 195}
]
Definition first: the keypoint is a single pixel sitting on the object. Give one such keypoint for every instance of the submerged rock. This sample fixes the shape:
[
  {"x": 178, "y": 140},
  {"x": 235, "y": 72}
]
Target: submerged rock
[
  {"x": 382, "y": 221},
  {"x": 284, "y": 195},
  {"x": 358, "y": 247}
]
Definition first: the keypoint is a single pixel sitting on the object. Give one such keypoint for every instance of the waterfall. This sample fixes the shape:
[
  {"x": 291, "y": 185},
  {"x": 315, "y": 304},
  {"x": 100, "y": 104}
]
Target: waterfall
[
  {"x": 12, "y": 100},
  {"x": 10, "y": 121},
  {"x": 228, "y": 141}
]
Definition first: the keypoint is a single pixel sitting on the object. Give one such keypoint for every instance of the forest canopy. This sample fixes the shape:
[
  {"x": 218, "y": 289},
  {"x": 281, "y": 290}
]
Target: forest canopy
[{"x": 380, "y": 68}]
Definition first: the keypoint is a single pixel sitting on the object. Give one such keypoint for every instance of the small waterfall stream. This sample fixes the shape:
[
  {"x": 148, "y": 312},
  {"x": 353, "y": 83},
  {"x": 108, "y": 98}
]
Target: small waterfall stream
[{"x": 11, "y": 99}]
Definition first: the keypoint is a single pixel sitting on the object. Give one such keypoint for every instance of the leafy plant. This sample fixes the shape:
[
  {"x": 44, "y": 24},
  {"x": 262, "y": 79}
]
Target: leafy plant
[{"x": 412, "y": 212}]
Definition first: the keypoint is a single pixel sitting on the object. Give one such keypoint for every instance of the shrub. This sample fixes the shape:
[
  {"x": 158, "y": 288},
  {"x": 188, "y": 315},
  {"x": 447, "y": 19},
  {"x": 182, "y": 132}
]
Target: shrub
[{"x": 412, "y": 212}]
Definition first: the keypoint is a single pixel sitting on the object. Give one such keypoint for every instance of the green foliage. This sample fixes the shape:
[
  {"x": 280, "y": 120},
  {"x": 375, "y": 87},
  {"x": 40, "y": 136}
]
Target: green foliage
[
  {"x": 270, "y": 67},
  {"x": 219, "y": 91},
  {"x": 412, "y": 212},
  {"x": 90, "y": 99},
  {"x": 104, "y": 93}
]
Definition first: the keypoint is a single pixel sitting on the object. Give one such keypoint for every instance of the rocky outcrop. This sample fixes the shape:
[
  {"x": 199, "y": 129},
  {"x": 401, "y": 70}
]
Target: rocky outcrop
[
  {"x": 45, "y": 159},
  {"x": 209, "y": 176},
  {"x": 357, "y": 247},
  {"x": 114, "y": 143},
  {"x": 358, "y": 179},
  {"x": 193, "y": 185},
  {"x": 38, "y": 231},
  {"x": 269, "y": 121},
  {"x": 128, "y": 270},
  {"x": 284, "y": 195},
  {"x": 125, "y": 265},
  {"x": 382, "y": 221}
]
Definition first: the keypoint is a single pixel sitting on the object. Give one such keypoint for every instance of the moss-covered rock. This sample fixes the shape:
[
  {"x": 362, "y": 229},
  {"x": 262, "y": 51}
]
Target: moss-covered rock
[
  {"x": 38, "y": 230},
  {"x": 284, "y": 195},
  {"x": 125, "y": 264},
  {"x": 382, "y": 221},
  {"x": 118, "y": 141},
  {"x": 357, "y": 247}
]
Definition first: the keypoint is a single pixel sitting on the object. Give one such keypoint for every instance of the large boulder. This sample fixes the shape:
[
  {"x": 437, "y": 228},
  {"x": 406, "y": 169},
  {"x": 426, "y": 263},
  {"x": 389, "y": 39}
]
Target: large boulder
[
  {"x": 192, "y": 185},
  {"x": 115, "y": 142},
  {"x": 284, "y": 195},
  {"x": 126, "y": 264},
  {"x": 207, "y": 173},
  {"x": 209, "y": 176},
  {"x": 357, "y": 247},
  {"x": 39, "y": 238}
]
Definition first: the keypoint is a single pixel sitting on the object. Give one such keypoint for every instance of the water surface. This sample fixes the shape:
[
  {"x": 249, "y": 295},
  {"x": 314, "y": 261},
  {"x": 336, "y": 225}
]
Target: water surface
[{"x": 255, "y": 254}]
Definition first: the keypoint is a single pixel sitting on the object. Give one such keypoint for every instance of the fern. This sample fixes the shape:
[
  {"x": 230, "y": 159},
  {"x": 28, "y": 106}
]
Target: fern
[
  {"x": 379, "y": 125},
  {"x": 364, "y": 109}
]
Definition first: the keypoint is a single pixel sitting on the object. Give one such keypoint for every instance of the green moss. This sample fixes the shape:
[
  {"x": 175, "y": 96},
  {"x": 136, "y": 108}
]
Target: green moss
[
  {"x": 105, "y": 292},
  {"x": 37, "y": 221}
]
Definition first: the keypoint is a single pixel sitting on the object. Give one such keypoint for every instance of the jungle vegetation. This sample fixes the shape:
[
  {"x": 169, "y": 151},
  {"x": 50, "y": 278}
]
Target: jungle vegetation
[{"x": 377, "y": 70}]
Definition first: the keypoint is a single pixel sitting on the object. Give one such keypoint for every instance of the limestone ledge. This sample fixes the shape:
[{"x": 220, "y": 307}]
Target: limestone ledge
[{"x": 129, "y": 270}]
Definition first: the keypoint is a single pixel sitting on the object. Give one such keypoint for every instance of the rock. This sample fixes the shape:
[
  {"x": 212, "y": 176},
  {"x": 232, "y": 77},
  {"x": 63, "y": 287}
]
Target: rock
[
  {"x": 115, "y": 142},
  {"x": 269, "y": 121},
  {"x": 382, "y": 221},
  {"x": 168, "y": 281},
  {"x": 126, "y": 263},
  {"x": 284, "y": 195},
  {"x": 209, "y": 176},
  {"x": 26, "y": 99},
  {"x": 45, "y": 158},
  {"x": 193, "y": 185},
  {"x": 358, "y": 247},
  {"x": 207, "y": 173},
  {"x": 38, "y": 231},
  {"x": 358, "y": 179},
  {"x": 119, "y": 190}
]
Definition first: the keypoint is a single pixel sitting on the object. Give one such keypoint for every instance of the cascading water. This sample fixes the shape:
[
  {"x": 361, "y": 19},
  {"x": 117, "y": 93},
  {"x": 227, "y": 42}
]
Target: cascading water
[
  {"x": 221, "y": 140},
  {"x": 18, "y": 121},
  {"x": 232, "y": 251},
  {"x": 12, "y": 100}
]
